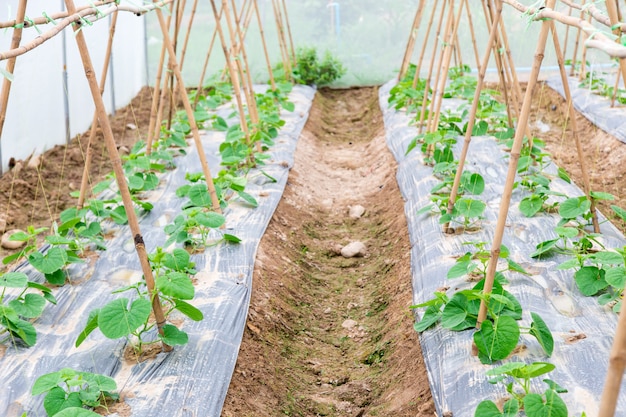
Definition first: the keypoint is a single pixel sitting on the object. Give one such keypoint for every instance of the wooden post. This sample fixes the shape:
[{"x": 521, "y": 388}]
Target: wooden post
[
  {"x": 425, "y": 44},
  {"x": 567, "y": 29},
  {"x": 282, "y": 42},
  {"x": 583, "y": 61},
  {"x": 577, "y": 43},
  {"x": 192, "y": 121},
  {"x": 293, "y": 50},
  {"x": 119, "y": 173},
  {"x": 615, "y": 88},
  {"x": 514, "y": 159},
  {"x": 408, "y": 53},
  {"x": 472, "y": 34},
  {"x": 574, "y": 126},
  {"x": 472, "y": 115},
  {"x": 6, "y": 84},
  {"x": 188, "y": 34},
  {"x": 206, "y": 63},
  {"x": 94, "y": 123}
]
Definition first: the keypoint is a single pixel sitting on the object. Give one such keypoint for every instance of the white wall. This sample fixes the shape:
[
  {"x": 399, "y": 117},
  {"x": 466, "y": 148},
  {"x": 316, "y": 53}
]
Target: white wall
[{"x": 36, "y": 116}]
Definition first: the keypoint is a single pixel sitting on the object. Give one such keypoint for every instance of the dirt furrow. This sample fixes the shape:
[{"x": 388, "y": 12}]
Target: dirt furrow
[{"x": 329, "y": 335}]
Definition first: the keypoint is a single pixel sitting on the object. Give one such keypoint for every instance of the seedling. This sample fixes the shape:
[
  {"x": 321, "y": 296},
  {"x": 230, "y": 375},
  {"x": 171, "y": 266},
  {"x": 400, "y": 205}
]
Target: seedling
[
  {"x": 72, "y": 390},
  {"x": 517, "y": 377},
  {"x": 198, "y": 228},
  {"x": 26, "y": 305}
]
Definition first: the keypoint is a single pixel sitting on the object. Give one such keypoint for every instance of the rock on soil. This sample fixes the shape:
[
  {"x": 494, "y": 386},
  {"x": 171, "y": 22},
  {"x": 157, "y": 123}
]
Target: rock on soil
[
  {"x": 356, "y": 212},
  {"x": 353, "y": 250},
  {"x": 9, "y": 244}
]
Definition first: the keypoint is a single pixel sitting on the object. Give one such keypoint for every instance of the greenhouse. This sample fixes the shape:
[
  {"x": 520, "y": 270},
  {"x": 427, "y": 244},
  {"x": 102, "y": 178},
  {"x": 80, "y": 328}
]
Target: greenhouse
[{"x": 312, "y": 208}]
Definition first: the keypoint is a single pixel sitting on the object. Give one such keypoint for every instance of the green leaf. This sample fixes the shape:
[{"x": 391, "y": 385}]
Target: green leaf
[
  {"x": 544, "y": 247},
  {"x": 30, "y": 307},
  {"x": 553, "y": 406},
  {"x": 54, "y": 259},
  {"x": 56, "y": 278},
  {"x": 24, "y": 330},
  {"x": 211, "y": 219},
  {"x": 564, "y": 176},
  {"x": 92, "y": 324},
  {"x": 616, "y": 277},
  {"x": 178, "y": 260},
  {"x": 13, "y": 280},
  {"x": 590, "y": 280},
  {"x": 470, "y": 208},
  {"x": 430, "y": 317},
  {"x": 473, "y": 184},
  {"x": 177, "y": 285},
  {"x": 231, "y": 238},
  {"x": 574, "y": 207},
  {"x": 607, "y": 258},
  {"x": 188, "y": 310},
  {"x": 598, "y": 195},
  {"x": 496, "y": 341},
  {"x": 531, "y": 205},
  {"x": 455, "y": 312},
  {"x": 116, "y": 320},
  {"x": 480, "y": 129},
  {"x": 57, "y": 399},
  {"x": 248, "y": 198},
  {"x": 490, "y": 409},
  {"x": 135, "y": 182},
  {"x": 621, "y": 213},
  {"x": 46, "y": 382},
  {"x": 461, "y": 268},
  {"x": 569, "y": 232},
  {"x": 99, "y": 382},
  {"x": 542, "y": 333},
  {"x": 173, "y": 336},
  {"x": 554, "y": 386}
]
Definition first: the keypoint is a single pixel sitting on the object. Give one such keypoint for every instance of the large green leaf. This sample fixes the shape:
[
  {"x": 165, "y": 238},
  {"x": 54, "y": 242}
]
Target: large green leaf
[
  {"x": 117, "y": 320},
  {"x": 470, "y": 208},
  {"x": 13, "y": 280},
  {"x": 531, "y": 205},
  {"x": 461, "y": 268},
  {"x": 188, "y": 310},
  {"x": 616, "y": 277},
  {"x": 473, "y": 183},
  {"x": 173, "y": 336},
  {"x": 92, "y": 324},
  {"x": 76, "y": 412},
  {"x": 18, "y": 327},
  {"x": 496, "y": 341},
  {"x": 540, "y": 330},
  {"x": 31, "y": 306},
  {"x": 177, "y": 285},
  {"x": 553, "y": 406},
  {"x": 46, "y": 382},
  {"x": 590, "y": 280},
  {"x": 211, "y": 219},
  {"x": 490, "y": 409},
  {"x": 53, "y": 260},
  {"x": 607, "y": 257},
  {"x": 57, "y": 399},
  {"x": 178, "y": 260},
  {"x": 199, "y": 195},
  {"x": 574, "y": 207},
  {"x": 455, "y": 312}
]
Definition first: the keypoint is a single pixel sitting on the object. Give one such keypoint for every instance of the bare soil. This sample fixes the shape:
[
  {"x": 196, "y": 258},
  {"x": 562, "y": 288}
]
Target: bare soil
[{"x": 326, "y": 335}]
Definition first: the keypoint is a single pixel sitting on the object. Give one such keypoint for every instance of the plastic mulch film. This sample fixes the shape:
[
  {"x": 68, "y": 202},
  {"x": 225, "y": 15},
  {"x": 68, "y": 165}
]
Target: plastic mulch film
[
  {"x": 583, "y": 330},
  {"x": 595, "y": 108},
  {"x": 193, "y": 379}
]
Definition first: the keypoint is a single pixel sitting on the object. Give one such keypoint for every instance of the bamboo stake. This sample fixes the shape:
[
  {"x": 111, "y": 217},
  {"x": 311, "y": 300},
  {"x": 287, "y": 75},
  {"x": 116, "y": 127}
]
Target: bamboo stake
[
  {"x": 232, "y": 72},
  {"x": 474, "y": 109},
  {"x": 191, "y": 119},
  {"x": 514, "y": 158},
  {"x": 583, "y": 63},
  {"x": 425, "y": 44},
  {"x": 234, "y": 52},
  {"x": 267, "y": 56},
  {"x": 472, "y": 34},
  {"x": 42, "y": 20},
  {"x": 155, "y": 120},
  {"x": 206, "y": 64},
  {"x": 194, "y": 7},
  {"x": 431, "y": 67},
  {"x": 281, "y": 42},
  {"x": 577, "y": 43},
  {"x": 449, "y": 49},
  {"x": 567, "y": 30},
  {"x": 574, "y": 127},
  {"x": 617, "y": 358},
  {"x": 119, "y": 174},
  {"x": 293, "y": 50},
  {"x": 94, "y": 123},
  {"x": 408, "y": 52},
  {"x": 615, "y": 88},
  {"x": 6, "y": 84},
  {"x": 180, "y": 8}
]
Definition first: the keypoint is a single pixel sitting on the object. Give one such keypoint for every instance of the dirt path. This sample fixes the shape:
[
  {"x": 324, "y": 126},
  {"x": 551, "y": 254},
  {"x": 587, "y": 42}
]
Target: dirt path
[{"x": 329, "y": 335}]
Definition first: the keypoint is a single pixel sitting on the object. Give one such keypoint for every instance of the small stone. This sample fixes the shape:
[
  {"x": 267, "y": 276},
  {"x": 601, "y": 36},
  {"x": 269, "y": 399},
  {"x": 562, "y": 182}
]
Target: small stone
[
  {"x": 356, "y": 212},
  {"x": 10, "y": 244},
  {"x": 328, "y": 203},
  {"x": 123, "y": 150},
  {"x": 335, "y": 249},
  {"x": 34, "y": 162},
  {"x": 349, "y": 324},
  {"x": 607, "y": 149},
  {"x": 360, "y": 283},
  {"x": 353, "y": 249},
  {"x": 131, "y": 126},
  {"x": 19, "y": 165},
  {"x": 328, "y": 310}
]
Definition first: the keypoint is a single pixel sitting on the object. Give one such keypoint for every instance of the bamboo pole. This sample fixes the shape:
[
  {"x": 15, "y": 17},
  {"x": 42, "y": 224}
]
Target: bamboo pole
[
  {"x": 192, "y": 121},
  {"x": 470, "y": 21},
  {"x": 431, "y": 67},
  {"x": 474, "y": 109},
  {"x": 615, "y": 88},
  {"x": 408, "y": 52},
  {"x": 583, "y": 60},
  {"x": 183, "y": 53},
  {"x": 567, "y": 30},
  {"x": 293, "y": 50},
  {"x": 281, "y": 42},
  {"x": 574, "y": 126},
  {"x": 232, "y": 72},
  {"x": 577, "y": 43},
  {"x": 119, "y": 174},
  {"x": 42, "y": 20},
  {"x": 6, "y": 84},
  {"x": 617, "y": 358},
  {"x": 448, "y": 50},
  {"x": 180, "y": 8},
  {"x": 206, "y": 64},
  {"x": 94, "y": 123},
  {"x": 264, "y": 43},
  {"x": 425, "y": 43},
  {"x": 155, "y": 119},
  {"x": 513, "y": 160}
]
